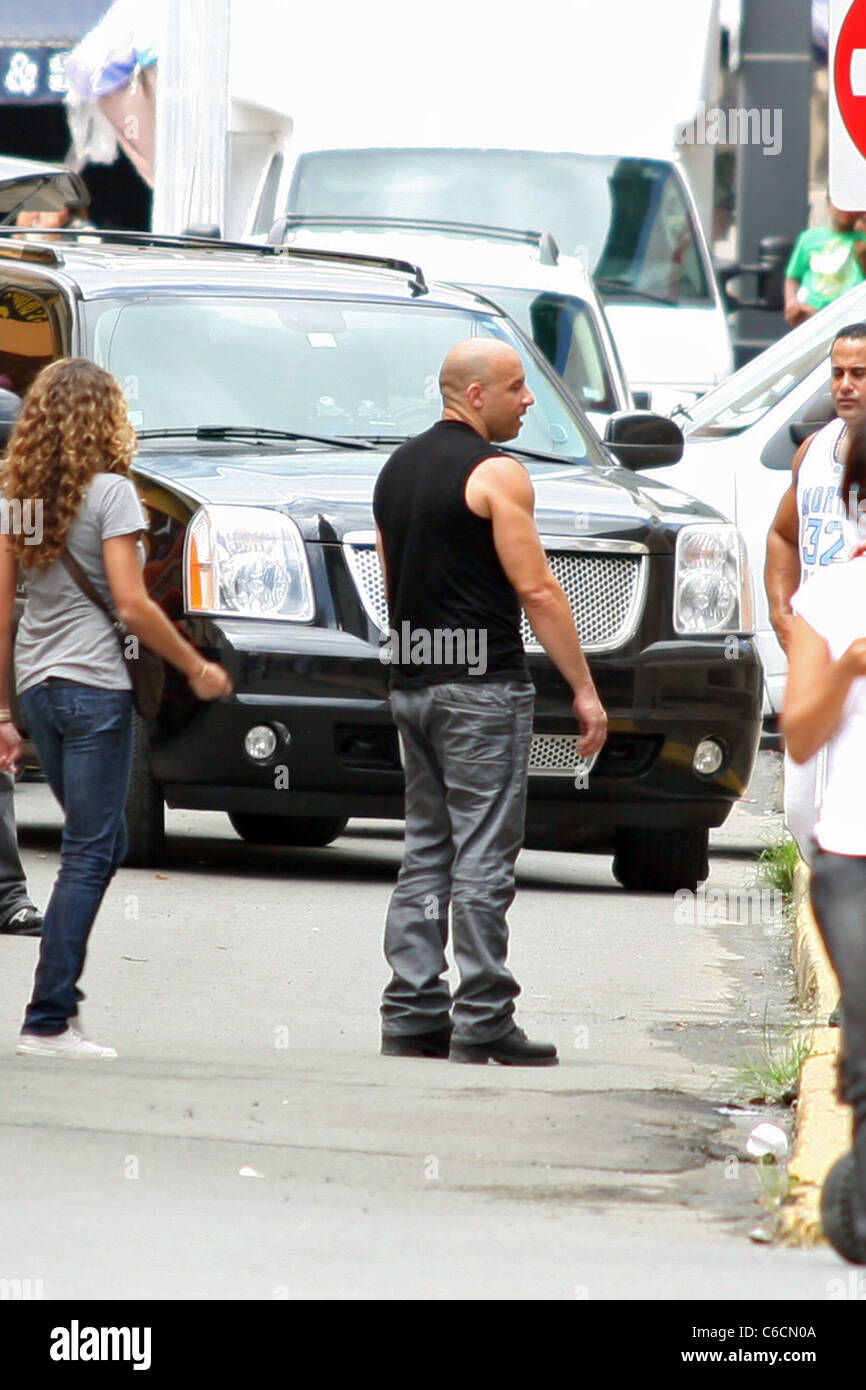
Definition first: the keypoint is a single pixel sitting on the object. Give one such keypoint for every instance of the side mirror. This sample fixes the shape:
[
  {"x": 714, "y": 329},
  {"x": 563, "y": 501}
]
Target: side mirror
[
  {"x": 641, "y": 439},
  {"x": 10, "y": 405},
  {"x": 773, "y": 253}
]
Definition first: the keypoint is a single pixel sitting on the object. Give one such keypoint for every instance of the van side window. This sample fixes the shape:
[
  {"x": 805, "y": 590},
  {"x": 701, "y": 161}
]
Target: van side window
[
  {"x": 27, "y": 338},
  {"x": 651, "y": 244}
]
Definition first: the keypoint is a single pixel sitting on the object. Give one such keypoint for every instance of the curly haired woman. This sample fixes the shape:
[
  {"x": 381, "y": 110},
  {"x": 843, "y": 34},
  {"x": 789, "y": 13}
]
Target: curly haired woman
[{"x": 69, "y": 456}]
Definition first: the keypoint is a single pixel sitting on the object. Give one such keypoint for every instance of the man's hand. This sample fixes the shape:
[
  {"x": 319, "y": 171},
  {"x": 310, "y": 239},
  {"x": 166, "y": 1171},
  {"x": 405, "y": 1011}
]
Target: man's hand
[
  {"x": 592, "y": 718},
  {"x": 10, "y": 748},
  {"x": 796, "y": 312}
]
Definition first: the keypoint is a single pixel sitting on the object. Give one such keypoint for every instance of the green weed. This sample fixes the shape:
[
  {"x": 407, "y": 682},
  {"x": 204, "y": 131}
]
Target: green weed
[
  {"x": 776, "y": 864},
  {"x": 773, "y": 1076}
]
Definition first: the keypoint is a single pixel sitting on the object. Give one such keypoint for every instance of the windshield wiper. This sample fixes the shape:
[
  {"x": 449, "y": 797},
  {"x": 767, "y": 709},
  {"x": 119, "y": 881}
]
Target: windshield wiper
[
  {"x": 252, "y": 432},
  {"x": 545, "y": 458},
  {"x": 623, "y": 287}
]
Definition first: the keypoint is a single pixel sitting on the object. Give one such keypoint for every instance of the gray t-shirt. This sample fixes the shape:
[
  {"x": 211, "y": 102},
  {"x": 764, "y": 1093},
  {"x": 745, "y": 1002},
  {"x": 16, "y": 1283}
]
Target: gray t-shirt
[{"x": 62, "y": 633}]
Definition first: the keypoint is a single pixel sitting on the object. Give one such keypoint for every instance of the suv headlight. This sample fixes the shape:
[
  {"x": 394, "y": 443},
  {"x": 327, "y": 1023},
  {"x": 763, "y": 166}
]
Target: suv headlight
[
  {"x": 712, "y": 581},
  {"x": 247, "y": 561}
]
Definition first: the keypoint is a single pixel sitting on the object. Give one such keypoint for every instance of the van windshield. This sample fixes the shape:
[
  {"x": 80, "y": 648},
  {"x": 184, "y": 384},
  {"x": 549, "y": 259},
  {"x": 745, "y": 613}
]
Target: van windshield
[{"x": 628, "y": 219}]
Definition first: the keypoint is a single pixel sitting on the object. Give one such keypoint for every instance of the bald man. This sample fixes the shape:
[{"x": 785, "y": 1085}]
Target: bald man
[{"x": 461, "y": 555}]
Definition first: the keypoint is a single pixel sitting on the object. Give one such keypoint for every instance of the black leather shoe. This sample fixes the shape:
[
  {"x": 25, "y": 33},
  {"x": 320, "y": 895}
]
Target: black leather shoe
[
  {"x": 25, "y": 922},
  {"x": 511, "y": 1050},
  {"x": 433, "y": 1044}
]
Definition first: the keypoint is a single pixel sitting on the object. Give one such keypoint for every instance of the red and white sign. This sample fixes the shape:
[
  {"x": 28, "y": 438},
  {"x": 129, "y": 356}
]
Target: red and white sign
[{"x": 847, "y": 115}]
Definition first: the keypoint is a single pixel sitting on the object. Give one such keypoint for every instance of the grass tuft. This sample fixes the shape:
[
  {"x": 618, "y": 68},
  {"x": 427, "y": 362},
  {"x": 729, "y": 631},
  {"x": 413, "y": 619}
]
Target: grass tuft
[
  {"x": 774, "y": 1075},
  {"x": 776, "y": 864}
]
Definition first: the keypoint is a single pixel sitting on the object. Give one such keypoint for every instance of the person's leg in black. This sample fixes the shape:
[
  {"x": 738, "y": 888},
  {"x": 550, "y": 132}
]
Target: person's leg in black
[{"x": 839, "y": 902}]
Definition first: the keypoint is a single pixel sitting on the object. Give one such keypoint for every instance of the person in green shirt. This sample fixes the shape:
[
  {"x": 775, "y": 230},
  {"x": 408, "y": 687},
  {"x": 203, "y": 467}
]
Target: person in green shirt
[{"x": 825, "y": 262}]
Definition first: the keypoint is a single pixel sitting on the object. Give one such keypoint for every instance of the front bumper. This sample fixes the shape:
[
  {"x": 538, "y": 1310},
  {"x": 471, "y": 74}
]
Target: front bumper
[{"x": 338, "y": 753}]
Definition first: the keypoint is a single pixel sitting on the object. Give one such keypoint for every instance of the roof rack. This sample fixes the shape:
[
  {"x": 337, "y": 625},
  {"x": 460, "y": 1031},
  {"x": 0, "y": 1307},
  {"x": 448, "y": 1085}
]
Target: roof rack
[
  {"x": 14, "y": 246},
  {"x": 314, "y": 253},
  {"x": 548, "y": 249},
  {"x": 109, "y": 236}
]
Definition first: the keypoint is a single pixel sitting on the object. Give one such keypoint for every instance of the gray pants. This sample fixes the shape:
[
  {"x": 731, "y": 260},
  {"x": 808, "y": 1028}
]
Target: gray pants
[
  {"x": 465, "y": 755},
  {"x": 13, "y": 884}
]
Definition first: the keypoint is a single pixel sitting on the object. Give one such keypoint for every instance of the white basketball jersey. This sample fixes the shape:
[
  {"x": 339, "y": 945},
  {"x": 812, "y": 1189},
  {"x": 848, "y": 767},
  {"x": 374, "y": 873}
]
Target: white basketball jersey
[
  {"x": 827, "y": 535},
  {"x": 827, "y": 532}
]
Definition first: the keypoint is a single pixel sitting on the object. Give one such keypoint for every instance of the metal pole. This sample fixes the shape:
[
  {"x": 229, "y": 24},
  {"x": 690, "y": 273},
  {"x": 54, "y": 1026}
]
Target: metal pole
[{"x": 772, "y": 189}]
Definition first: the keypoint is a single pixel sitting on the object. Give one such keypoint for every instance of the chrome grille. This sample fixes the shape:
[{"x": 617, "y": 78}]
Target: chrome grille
[
  {"x": 605, "y": 592},
  {"x": 369, "y": 581},
  {"x": 554, "y": 754}
]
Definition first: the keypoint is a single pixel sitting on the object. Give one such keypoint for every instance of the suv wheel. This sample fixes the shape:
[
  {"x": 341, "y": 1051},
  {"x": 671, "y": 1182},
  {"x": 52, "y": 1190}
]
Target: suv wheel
[
  {"x": 287, "y": 830},
  {"x": 837, "y": 1216},
  {"x": 145, "y": 807},
  {"x": 647, "y": 860}
]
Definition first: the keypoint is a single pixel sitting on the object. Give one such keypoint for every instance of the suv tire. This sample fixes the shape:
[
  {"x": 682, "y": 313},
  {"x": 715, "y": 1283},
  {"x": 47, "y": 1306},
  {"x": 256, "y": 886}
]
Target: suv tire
[
  {"x": 314, "y": 831},
  {"x": 647, "y": 860},
  {"x": 836, "y": 1216},
  {"x": 145, "y": 806}
]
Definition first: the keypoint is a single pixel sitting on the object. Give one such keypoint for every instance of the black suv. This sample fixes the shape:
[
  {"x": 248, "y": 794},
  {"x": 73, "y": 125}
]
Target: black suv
[{"x": 268, "y": 386}]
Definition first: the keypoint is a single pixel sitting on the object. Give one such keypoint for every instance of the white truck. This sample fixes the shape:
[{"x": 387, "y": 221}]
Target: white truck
[
  {"x": 578, "y": 121},
  {"x": 589, "y": 122}
]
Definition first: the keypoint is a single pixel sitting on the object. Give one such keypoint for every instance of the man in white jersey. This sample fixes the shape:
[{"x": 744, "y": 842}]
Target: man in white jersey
[{"x": 813, "y": 529}]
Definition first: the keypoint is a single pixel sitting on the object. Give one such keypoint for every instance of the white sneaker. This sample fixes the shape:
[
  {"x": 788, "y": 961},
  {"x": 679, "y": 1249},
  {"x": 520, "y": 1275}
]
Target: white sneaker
[{"x": 66, "y": 1044}]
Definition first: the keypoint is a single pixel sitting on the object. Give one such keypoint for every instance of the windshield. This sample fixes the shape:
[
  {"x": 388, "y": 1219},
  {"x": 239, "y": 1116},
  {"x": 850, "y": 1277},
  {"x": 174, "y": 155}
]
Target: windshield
[
  {"x": 562, "y": 328},
  {"x": 627, "y": 218},
  {"x": 746, "y": 396},
  {"x": 334, "y": 369}
]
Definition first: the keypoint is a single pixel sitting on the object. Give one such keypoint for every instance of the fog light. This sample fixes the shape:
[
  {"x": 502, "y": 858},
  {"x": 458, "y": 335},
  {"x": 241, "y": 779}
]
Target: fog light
[
  {"x": 709, "y": 756},
  {"x": 260, "y": 743}
]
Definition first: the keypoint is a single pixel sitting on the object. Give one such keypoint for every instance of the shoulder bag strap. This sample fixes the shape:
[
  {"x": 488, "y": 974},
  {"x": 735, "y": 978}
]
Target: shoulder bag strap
[{"x": 90, "y": 591}]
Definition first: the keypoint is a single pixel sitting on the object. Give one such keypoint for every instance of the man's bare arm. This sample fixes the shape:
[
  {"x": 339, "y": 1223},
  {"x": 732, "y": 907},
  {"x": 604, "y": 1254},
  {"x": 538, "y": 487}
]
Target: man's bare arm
[
  {"x": 782, "y": 571},
  {"x": 501, "y": 490}
]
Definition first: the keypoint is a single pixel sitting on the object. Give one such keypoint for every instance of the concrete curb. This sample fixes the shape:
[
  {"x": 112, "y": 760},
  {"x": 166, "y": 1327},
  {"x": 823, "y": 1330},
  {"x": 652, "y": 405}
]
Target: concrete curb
[{"x": 823, "y": 1127}]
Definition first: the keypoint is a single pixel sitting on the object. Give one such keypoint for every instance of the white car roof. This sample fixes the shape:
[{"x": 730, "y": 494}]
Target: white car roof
[{"x": 481, "y": 260}]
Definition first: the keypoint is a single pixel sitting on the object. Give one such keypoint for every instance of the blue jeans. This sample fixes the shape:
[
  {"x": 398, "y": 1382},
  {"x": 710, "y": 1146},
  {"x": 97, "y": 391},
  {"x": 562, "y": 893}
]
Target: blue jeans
[{"x": 84, "y": 739}]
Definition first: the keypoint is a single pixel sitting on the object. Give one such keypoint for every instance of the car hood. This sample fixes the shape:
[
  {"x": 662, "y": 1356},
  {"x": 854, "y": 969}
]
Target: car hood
[
  {"x": 329, "y": 492},
  {"x": 677, "y": 346}
]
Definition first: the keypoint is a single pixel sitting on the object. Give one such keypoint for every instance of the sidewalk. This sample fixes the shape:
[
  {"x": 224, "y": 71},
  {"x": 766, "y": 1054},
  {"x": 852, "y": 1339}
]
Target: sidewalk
[{"x": 823, "y": 1128}]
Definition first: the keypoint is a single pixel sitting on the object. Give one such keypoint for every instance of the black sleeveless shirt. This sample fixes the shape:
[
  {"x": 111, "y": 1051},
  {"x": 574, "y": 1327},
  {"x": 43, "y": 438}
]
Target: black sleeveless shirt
[{"x": 454, "y": 615}]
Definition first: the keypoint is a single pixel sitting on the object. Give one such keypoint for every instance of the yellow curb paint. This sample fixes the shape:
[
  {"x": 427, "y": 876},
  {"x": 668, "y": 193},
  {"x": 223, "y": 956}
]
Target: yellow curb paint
[{"x": 823, "y": 1127}]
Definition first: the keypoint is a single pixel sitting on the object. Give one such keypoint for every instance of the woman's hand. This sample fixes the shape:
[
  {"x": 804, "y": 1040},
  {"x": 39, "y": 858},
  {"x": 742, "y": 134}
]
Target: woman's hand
[
  {"x": 210, "y": 682},
  {"x": 853, "y": 660},
  {"x": 10, "y": 747}
]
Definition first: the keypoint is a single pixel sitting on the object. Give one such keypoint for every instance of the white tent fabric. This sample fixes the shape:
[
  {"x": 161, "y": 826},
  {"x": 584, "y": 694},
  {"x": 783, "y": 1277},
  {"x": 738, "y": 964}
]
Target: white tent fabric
[{"x": 192, "y": 116}]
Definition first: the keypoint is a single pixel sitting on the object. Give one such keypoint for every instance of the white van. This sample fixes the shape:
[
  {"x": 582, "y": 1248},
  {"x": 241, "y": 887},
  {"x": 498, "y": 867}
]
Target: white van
[
  {"x": 631, "y": 218},
  {"x": 550, "y": 297}
]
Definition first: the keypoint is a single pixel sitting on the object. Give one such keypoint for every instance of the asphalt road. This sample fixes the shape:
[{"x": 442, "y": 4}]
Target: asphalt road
[{"x": 241, "y": 987}]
